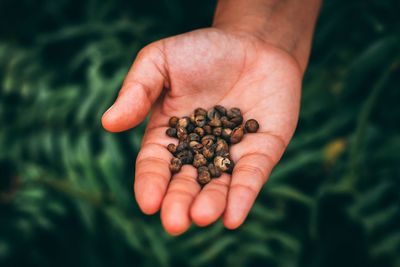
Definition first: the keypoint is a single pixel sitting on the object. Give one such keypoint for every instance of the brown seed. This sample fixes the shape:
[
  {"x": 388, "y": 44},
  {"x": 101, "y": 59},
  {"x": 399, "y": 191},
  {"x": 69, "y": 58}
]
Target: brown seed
[
  {"x": 251, "y": 126},
  {"x": 200, "y": 120},
  {"x": 175, "y": 165},
  {"x": 202, "y": 168},
  {"x": 181, "y": 133},
  {"x": 171, "y": 132},
  {"x": 237, "y": 134},
  {"x": 226, "y": 123},
  {"x": 171, "y": 148},
  {"x": 207, "y": 129},
  {"x": 199, "y": 160},
  {"x": 193, "y": 137},
  {"x": 186, "y": 156},
  {"x": 222, "y": 153},
  {"x": 237, "y": 120},
  {"x": 221, "y": 110},
  {"x": 200, "y": 111},
  {"x": 182, "y": 146},
  {"x": 214, "y": 117},
  {"x": 217, "y": 131},
  {"x": 214, "y": 171},
  {"x": 208, "y": 140},
  {"x": 233, "y": 112},
  {"x": 183, "y": 122},
  {"x": 190, "y": 127},
  {"x": 199, "y": 131},
  {"x": 222, "y": 163},
  {"x": 221, "y": 145},
  {"x": 226, "y": 133},
  {"x": 196, "y": 146},
  {"x": 204, "y": 177},
  {"x": 173, "y": 121},
  {"x": 209, "y": 151}
]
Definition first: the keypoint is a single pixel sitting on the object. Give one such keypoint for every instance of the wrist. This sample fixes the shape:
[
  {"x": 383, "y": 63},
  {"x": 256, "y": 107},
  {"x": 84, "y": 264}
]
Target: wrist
[{"x": 287, "y": 25}]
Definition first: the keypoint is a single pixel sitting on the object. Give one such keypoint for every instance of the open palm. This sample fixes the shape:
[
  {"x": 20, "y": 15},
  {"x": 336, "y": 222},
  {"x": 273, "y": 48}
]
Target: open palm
[{"x": 204, "y": 68}]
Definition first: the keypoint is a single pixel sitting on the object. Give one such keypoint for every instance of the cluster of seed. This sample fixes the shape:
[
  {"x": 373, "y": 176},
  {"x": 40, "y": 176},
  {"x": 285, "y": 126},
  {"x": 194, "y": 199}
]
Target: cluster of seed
[{"x": 204, "y": 140}]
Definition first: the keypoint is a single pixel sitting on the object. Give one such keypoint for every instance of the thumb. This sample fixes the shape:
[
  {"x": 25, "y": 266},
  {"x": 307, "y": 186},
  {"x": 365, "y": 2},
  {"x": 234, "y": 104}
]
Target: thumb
[{"x": 142, "y": 86}]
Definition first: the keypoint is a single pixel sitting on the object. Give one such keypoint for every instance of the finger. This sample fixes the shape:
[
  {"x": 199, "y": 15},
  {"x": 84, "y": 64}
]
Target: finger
[
  {"x": 152, "y": 173},
  {"x": 175, "y": 207},
  {"x": 255, "y": 160},
  {"x": 143, "y": 84},
  {"x": 210, "y": 203}
]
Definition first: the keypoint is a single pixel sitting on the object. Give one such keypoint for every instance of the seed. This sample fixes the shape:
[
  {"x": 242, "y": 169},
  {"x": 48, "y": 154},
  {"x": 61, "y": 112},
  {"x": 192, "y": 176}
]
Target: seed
[
  {"x": 226, "y": 123},
  {"x": 208, "y": 151},
  {"x": 182, "y": 146},
  {"x": 183, "y": 122},
  {"x": 222, "y": 153},
  {"x": 202, "y": 168},
  {"x": 226, "y": 133},
  {"x": 221, "y": 110},
  {"x": 175, "y": 165},
  {"x": 199, "y": 160},
  {"x": 217, "y": 131},
  {"x": 186, "y": 156},
  {"x": 171, "y": 132},
  {"x": 233, "y": 112},
  {"x": 251, "y": 126},
  {"x": 208, "y": 140},
  {"x": 181, "y": 133},
  {"x": 214, "y": 117},
  {"x": 193, "y": 137},
  {"x": 203, "y": 177},
  {"x": 207, "y": 129},
  {"x": 200, "y": 120},
  {"x": 237, "y": 120},
  {"x": 237, "y": 135},
  {"x": 221, "y": 145},
  {"x": 195, "y": 146},
  {"x": 171, "y": 148},
  {"x": 190, "y": 127},
  {"x": 199, "y": 131},
  {"x": 214, "y": 171},
  {"x": 173, "y": 121},
  {"x": 222, "y": 163},
  {"x": 200, "y": 111}
]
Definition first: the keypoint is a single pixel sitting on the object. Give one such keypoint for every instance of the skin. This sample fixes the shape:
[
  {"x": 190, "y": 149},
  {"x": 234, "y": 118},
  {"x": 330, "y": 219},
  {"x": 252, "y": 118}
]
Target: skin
[{"x": 231, "y": 64}]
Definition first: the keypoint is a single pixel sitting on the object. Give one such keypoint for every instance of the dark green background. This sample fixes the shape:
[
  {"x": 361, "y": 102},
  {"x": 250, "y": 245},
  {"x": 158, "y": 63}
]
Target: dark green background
[{"x": 65, "y": 188}]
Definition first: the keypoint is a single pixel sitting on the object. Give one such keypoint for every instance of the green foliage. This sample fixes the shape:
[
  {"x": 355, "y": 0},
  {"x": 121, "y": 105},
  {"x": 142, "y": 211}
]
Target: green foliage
[{"x": 65, "y": 188}]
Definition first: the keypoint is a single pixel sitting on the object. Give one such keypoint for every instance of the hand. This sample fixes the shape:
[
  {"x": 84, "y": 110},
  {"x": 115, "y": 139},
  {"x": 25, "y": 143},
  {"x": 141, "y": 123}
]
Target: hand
[{"x": 204, "y": 68}]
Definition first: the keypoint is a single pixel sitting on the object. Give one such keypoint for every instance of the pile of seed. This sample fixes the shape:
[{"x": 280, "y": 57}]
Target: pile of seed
[{"x": 205, "y": 138}]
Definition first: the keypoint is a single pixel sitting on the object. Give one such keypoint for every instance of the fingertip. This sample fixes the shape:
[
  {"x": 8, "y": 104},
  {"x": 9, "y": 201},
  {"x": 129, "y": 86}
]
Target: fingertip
[
  {"x": 203, "y": 212},
  {"x": 108, "y": 121},
  {"x": 173, "y": 221},
  {"x": 148, "y": 198},
  {"x": 232, "y": 223}
]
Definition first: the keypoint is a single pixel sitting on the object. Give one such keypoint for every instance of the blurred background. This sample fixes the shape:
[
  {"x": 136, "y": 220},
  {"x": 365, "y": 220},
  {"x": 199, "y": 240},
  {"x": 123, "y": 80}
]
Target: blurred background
[{"x": 65, "y": 184}]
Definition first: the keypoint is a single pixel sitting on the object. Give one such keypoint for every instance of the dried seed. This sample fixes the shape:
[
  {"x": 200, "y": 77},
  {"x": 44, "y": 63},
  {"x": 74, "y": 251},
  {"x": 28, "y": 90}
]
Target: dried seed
[
  {"x": 196, "y": 146},
  {"x": 171, "y": 148},
  {"x": 214, "y": 117},
  {"x": 226, "y": 133},
  {"x": 171, "y": 132},
  {"x": 173, "y": 121},
  {"x": 190, "y": 127},
  {"x": 193, "y": 137},
  {"x": 202, "y": 168},
  {"x": 222, "y": 153},
  {"x": 214, "y": 171},
  {"x": 208, "y": 140},
  {"x": 237, "y": 135},
  {"x": 182, "y": 146},
  {"x": 183, "y": 122},
  {"x": 222, "y": 163},
  {"x": 175, "y": 165},
  {"x": 199, "y": 131},
  {"x": 200, "y": 111},
  {"x": 186, "y": 156},
  {"x": 199, "y": 160},
  {"x": 181, "y": 133},
  {"x": 209, "y": 151},
  {"x": 221, "y": 145},
  {"x": 203, "y": 177},
  {"x": 207, "y": 129},
  {"x": 200, "y": 120},
  {"x": 226, "y": 123},
  {"x": 251, "y": 126},
  {"x": 234, "y": 112},
  {"x": 221, "y": 110},
  {"x": 237, "y": 120},
  {"x": 217, "y": 131}
]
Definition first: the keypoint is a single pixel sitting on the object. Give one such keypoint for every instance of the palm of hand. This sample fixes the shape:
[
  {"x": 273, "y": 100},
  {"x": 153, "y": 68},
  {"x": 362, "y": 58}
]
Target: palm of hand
[{"x": 202, "y": 69}]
